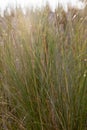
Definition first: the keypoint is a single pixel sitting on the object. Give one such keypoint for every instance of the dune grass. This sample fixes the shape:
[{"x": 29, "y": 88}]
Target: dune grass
[{"x": 43, "y": 71}]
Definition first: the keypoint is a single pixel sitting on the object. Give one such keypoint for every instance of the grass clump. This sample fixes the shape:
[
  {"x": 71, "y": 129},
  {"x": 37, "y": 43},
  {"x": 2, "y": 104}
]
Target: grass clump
[{"x": 43, "y": 70}]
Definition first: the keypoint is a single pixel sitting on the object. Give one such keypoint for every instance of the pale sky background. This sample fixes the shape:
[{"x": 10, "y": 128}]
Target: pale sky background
[{"x": 39, "y": 3}]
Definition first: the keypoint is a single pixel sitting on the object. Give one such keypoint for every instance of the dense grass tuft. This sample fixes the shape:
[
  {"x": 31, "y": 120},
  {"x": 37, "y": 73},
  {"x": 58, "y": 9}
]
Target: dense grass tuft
[{"x": 43, "y": 69}]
